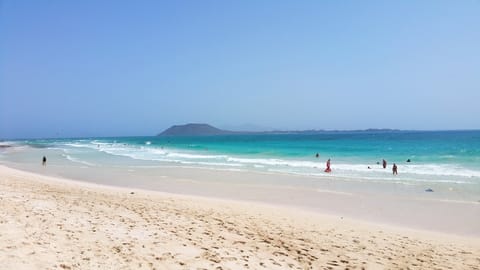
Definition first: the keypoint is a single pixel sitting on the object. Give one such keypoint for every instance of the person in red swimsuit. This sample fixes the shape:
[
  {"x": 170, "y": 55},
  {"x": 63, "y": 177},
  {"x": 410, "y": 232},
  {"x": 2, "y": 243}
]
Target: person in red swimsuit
[{"x": 328, "y": 166}]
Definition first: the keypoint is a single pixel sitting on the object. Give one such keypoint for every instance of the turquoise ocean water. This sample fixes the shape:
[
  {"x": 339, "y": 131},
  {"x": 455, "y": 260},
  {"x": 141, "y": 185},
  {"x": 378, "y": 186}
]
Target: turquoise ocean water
[{"x": 436, "y": 156}]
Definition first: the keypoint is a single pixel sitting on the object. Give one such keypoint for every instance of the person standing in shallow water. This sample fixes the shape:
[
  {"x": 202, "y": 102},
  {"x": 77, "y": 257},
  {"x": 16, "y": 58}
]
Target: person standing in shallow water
[
  {"x": 328, "y": 166},
  {"x": 394, "y": 169},
  {"x": 384, "y": 164},
  {"x": 44, "y": 161}
]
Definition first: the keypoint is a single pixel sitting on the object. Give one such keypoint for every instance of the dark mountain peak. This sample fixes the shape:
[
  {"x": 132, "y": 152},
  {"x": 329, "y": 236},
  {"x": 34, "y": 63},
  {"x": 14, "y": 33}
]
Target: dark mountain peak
[{"x": 193, "y": 129}]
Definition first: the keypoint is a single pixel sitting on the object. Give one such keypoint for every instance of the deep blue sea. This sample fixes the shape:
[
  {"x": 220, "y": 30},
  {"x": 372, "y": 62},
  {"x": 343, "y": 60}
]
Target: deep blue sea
[{"x": 435, "y": 156}]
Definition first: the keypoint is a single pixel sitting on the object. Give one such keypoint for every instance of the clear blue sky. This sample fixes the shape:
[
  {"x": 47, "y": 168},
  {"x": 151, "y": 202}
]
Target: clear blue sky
[{"x": 99, "y": 68}]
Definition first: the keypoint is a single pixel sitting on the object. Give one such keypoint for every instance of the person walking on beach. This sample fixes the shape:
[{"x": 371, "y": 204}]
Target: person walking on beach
[
  {"x": 384, "y": 163},
  {"x": 44, "y": 161},
  {"x": 327, "y": 170},
  {"x": 394, "y": 169}
]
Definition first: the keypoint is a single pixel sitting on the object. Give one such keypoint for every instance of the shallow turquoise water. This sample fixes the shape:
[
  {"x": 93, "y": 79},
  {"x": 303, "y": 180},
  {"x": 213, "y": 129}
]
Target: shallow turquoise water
[{"x": 436, "y": 156}]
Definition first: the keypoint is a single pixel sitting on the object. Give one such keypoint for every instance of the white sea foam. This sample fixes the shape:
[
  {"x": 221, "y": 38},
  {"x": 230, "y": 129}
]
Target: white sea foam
[
  {"x": 75, "y": 144},
  {"x": 72, "y": 159},
  {"x": 212, "y": 163},
  {"x": 276, "y": 162},
  {"x": 10, "y": 143},
  {"x": 165, "y": 155},
  {"x": 417, "y": 169},
  {"x": 195, "y": 156},
  {"x": 408, "y": 172}
]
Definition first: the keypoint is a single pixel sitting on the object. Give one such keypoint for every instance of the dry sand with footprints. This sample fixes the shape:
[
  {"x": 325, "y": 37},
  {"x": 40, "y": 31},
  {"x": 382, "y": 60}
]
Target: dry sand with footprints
[{"x": 52, "y": 223}]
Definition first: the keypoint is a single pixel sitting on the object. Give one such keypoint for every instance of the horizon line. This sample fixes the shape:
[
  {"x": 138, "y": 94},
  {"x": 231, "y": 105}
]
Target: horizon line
[{"x": 255, "y": 132}]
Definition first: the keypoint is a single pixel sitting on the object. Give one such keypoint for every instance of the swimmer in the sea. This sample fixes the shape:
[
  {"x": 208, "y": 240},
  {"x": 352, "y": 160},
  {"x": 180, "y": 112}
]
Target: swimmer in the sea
[{"x": 394, "y": 169}]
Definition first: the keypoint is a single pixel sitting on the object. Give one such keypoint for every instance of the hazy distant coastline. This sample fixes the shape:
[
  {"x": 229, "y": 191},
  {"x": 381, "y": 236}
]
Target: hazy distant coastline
[{"x": 194, "y": 129}]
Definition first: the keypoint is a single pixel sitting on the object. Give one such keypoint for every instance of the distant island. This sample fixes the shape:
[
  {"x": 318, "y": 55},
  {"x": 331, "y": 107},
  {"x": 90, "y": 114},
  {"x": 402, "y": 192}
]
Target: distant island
[{"x": 194, "y": 129}]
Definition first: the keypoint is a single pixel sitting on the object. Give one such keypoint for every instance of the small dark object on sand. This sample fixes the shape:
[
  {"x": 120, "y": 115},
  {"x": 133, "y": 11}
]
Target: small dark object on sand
[
  {"x": 132, "y": 192},
  {"x": 428, "y": 190}
]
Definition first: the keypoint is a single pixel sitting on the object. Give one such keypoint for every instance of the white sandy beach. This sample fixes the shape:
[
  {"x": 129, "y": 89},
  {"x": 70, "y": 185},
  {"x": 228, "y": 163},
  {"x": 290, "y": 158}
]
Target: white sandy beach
[{"x": 53, "y": 223}]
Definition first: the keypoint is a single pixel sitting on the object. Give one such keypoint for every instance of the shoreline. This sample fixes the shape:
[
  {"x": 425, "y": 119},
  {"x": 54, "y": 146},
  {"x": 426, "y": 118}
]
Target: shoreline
[
  {"x": 336, "y": 198},
  {"x": 98, "y": 187},
  {"x": 67, "y": 224}
]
